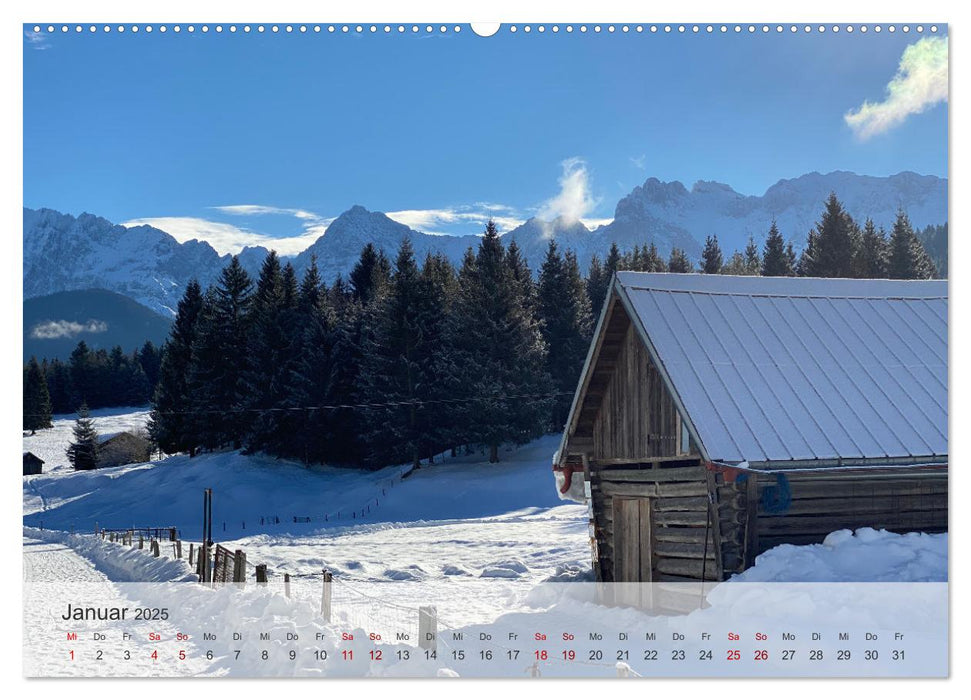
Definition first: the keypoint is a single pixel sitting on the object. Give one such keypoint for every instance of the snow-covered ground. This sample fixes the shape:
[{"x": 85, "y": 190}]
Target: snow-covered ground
[{"x": 488, "y": 545}]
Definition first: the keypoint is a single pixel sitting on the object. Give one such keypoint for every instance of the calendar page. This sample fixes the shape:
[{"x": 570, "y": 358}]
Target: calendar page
[{"x": 441, "y": 350}]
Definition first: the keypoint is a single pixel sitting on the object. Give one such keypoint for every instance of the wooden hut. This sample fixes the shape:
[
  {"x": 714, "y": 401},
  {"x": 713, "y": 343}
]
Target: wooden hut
[
  {"x": 123, "y": 447},
  {"x": 719, "y": 416},
  {"x": 32, "y": 464}
]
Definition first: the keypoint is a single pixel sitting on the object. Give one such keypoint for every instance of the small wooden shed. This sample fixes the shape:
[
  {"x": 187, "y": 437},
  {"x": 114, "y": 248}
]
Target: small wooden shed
[
  {"x": 719, "y": 416},
  {"x": 32, "y": 464},
  {"x": 115, "y": 449}
]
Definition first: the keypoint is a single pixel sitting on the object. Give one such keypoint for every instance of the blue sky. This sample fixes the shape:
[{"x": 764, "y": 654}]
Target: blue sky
[{"x": 248, "y": 138}]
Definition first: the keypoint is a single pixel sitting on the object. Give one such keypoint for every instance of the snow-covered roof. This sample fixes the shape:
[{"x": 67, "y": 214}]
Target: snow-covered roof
[{"x": 769, "y": 369}]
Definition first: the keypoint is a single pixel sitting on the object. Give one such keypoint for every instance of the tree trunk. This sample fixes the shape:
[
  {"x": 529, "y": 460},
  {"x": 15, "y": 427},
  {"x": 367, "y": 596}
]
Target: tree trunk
[{"x": 493, "y": 454}]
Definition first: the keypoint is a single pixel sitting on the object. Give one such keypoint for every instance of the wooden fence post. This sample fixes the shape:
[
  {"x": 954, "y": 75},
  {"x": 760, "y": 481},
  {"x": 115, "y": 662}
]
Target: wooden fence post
[
  {"x": 427, "y": 627},
  {"x": 325, "y": 595},
  {"x": 155, "y": 548},
  {"x": 141, "y": 541},
  {"x": 261, "y": 574},
  {"x": 239, "y": 567},
  {"x": 286, "y": 585},
  {"x": 178, "y": 549},
  {"x": 191, "y": 553},
  {"x": 172, "y": 536}
]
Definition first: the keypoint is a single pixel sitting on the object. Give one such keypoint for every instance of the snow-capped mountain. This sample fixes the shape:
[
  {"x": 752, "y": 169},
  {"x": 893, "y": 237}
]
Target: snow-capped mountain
[
  {"x": 63, "y": 253},
  {"x": 671, "y": 215},
  {"x": 339, "y": 248}
]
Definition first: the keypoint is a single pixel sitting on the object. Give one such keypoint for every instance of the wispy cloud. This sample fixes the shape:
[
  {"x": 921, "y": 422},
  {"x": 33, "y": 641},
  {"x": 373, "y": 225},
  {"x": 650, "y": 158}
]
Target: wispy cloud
[
  {"x": 37, "y": 40},
  {"x": 639, "y": 162},
  {"x": 52, "y": 330},
  {"x": 258, "y": 209},
  {"x": 473, "y": 216},
  {"x": 227, "y": 238},
  {"x": 574, "y": 201},
  {"x": 920, "y": 83}
]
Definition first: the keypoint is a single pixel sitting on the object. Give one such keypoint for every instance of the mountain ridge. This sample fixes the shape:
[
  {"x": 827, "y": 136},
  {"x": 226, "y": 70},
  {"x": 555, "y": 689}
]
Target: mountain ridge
[{"x": 62, "y": 252}]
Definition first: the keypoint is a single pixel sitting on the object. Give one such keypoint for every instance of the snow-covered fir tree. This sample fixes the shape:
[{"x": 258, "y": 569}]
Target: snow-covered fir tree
[{"x": 82, "y": 453}]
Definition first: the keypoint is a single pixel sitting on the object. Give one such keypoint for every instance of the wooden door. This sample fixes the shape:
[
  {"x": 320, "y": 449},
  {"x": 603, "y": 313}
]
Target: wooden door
[{"x": 633, "y": 548}]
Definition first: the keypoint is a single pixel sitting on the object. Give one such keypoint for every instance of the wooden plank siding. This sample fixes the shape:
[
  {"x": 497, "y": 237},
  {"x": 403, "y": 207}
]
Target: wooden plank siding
[
  {"x": 659, "y": 516},
  {"x": 623, "y": 429}
]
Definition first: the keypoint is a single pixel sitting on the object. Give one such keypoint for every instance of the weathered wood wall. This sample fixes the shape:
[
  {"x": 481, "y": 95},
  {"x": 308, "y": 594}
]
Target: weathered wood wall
[
  {"x": 637, "y": 418},
  {"x": 899, "y": 500}
]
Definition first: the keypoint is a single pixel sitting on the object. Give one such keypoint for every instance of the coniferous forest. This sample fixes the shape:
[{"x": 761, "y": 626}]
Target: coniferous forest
[{"x": 407, "y": 358}]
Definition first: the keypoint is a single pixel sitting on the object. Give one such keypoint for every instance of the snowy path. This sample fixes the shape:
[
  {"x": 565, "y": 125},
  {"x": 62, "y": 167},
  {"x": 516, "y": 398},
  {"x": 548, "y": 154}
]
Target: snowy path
[
  {"x": 49, "y": 562},
  {"x": 54, "y": 576}
]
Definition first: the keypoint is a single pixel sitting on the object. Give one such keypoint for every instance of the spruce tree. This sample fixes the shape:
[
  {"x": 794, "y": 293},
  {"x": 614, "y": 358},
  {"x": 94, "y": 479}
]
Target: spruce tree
[
  {"x": 652, "y": 260},
  {"x": 678, "y": 262},
  {"x": 776, "y": 256},
  {"x": 808, "y": 265},
  {"x": 169, "y": 424},
  {"x": 753, "y": 261},
  {"x": 271, "y": 354},
  {"x": 370, "y": 274},
  {"x": 82, "y": 453},
  {"x": 564, "y": 309},
  {"x": 736, "y": 265},
  {"x": 500, "y": 353},
  {"x": 612, "y": 261},
  {"x": 310, "y": 428},
  {"x": 711, "y": 256},
  {"x": 873, "y": 252},
  {"x": 907, "y": 258},
  {"x": 597, "y": 285},
  {"x": 394, "y": 352},
  {"x": 219, "y": 359},
  {"x": 837, "y": 244},
  {"x": 37, "y": 400}
]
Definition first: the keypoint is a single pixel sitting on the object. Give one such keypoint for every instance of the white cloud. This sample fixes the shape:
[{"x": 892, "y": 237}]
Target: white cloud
[
  {"x": 474, "y": 217},
  {"x": 258, "y": 209},
  {"x": 227, "y": 238},
  {"x": 639, "y": 162},
  {"x": 920, "y": 83},
  {"x": 37, "y": 40},
  {"x": 51, "y": 330},
  {"x": 574, "y": 200}
]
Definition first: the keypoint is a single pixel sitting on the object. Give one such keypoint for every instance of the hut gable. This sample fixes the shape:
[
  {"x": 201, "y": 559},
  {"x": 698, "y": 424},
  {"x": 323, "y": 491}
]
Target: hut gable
[
  {"x": 32, "y": 464},
  {"x": 718, "y": 416},
  {"x": 115, "y": 449}
]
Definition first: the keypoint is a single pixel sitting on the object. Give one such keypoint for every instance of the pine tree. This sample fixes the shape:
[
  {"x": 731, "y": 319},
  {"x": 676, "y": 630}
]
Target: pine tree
[
  {"x": 652, "y": 260},
  {"x": 310, "y": 428},
  {"x": 438, "y": 289},
  {"x": 736, "y": 265},
  {"x": 907, "y": 259},
  {"x": 873, "y": 252},
  {"x": 82, "y": 453},
  {"x": 753, "y": 261},
  {"x": 837, "y": 244},
  {"x": 564, "y": 309},
  {"x": 37, "y": 400},
  {"x": 808, "y": 265},
  {"x": 219, "y": 358},
  {"x": 271, "y": 354},
  {"x": 678, "y": 262},
  {"x": 711, "y": 256},
  {"x": 150, "y": 359},
  {"x": 59, "y": 385},
  {"x": 370, "y": 274},
  {"x": 776, "y": 256},
  {"x": 500, "y": 353},
  {"x": 612, "y": 261},
  {"x": 394, "y": 352},
  {"x": 169, "y": 422},
  {"x": 597, "y": 284}
]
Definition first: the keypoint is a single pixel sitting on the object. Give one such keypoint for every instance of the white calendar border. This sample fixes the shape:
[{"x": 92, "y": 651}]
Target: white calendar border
[{"x": 830, "y": 11}]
